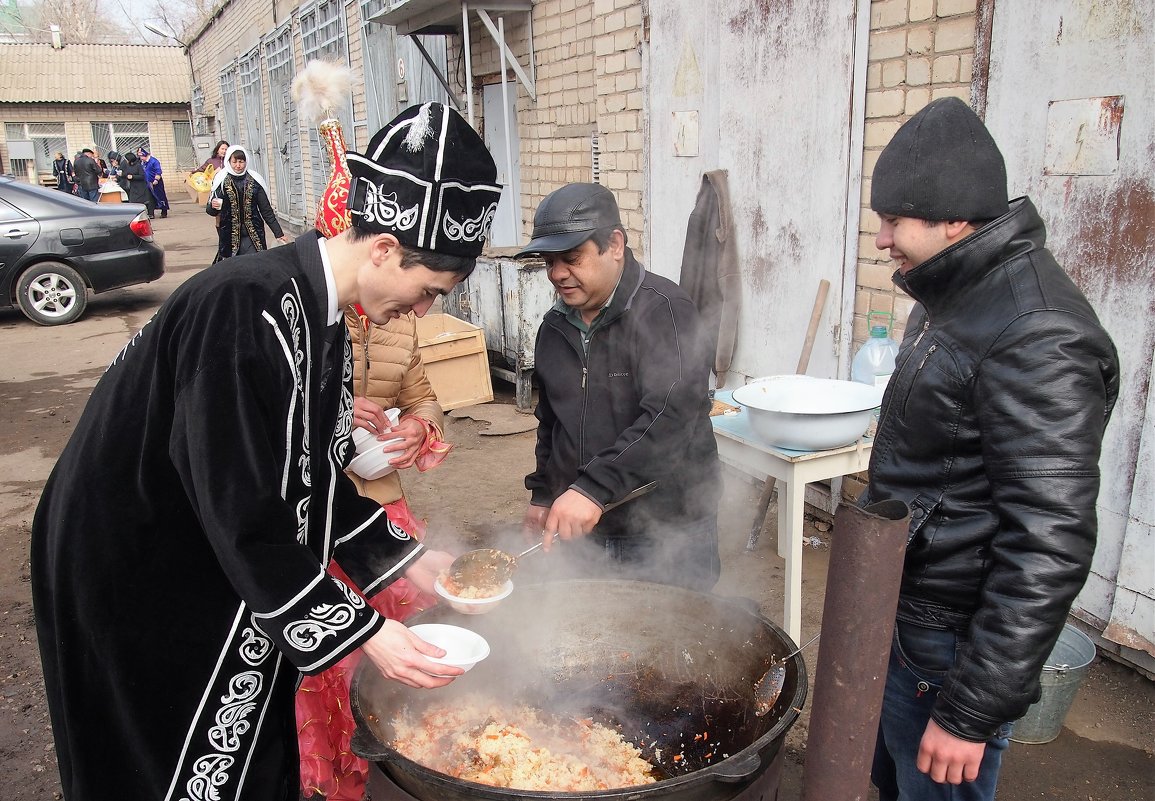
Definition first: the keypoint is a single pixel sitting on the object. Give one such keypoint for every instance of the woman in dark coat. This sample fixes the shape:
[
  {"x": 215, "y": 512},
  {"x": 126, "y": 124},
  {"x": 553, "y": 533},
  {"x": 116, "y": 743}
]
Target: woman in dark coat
[
  {"x": 240, "y": 201},
  {"x": 132, "y": 180},
  {"x": 62, "y": 169}
]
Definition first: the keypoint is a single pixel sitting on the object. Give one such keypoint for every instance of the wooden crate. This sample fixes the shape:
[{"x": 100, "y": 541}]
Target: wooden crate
[{"x": 455, "y": 359}]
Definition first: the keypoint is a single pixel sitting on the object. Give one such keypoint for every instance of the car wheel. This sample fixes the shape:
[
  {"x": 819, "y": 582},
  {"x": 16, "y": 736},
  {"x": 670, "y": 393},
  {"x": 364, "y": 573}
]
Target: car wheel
[{"x": 51, "y": 293}]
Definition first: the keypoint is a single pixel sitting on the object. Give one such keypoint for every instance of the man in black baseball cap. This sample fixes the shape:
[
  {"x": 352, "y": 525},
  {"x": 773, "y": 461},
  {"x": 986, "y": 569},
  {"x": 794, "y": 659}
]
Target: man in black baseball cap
[
  {"x": 623, "y": 365},
  {"x": 990, "y": 431}
]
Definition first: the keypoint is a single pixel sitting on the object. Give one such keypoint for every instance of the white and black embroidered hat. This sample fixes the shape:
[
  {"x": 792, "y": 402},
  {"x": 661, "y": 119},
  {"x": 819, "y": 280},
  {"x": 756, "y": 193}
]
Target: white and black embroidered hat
[{"x": 428, "y": 179}]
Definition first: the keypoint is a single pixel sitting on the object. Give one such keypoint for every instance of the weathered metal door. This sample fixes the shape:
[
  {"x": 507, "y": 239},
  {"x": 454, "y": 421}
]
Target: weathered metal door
[
  {"x": 762, "y": 90},
  {"x": 1071, "y": 102},
  {"x": 286, "y": 158},
  {"x": 396, "y": 75},
  {"x": 501, "y": 122},
  {"x": 253, "y": 122}
]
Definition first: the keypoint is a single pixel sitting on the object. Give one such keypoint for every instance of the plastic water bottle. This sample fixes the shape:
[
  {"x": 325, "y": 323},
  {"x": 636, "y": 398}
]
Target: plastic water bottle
[{"x": 874, "y": 361}]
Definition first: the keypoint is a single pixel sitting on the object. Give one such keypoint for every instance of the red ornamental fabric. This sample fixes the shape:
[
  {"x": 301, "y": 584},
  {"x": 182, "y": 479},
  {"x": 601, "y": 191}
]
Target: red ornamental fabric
[
  {"x": 333, "y": 207},
  {"x": 324, "y": 717}
]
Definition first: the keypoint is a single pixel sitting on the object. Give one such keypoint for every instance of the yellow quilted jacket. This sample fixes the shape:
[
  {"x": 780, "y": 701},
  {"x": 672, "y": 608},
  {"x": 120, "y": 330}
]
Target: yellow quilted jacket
[{"x": 387, "y": 368}]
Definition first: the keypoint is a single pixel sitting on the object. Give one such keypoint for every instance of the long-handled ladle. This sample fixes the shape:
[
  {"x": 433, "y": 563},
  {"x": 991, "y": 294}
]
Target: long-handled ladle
[{"x": 487, "y": 567}]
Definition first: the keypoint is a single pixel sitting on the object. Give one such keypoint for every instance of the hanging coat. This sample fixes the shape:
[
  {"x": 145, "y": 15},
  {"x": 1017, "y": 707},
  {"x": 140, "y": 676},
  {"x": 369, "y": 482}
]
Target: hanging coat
[
  {"x": 711, "y": 272},
  {"x": 180, "y": 545}
]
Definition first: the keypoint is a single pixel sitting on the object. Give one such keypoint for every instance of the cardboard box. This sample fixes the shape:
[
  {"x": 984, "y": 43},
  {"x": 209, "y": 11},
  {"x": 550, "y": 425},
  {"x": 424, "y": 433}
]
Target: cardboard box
[
  {"x": 455, "y": 360},
  {"x": 110, "y": 191},
  {"x": 198, "y": 188}
]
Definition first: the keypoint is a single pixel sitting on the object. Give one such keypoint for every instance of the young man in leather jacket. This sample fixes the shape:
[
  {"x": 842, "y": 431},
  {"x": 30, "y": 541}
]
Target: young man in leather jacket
[{"x": 990, "y": 431}]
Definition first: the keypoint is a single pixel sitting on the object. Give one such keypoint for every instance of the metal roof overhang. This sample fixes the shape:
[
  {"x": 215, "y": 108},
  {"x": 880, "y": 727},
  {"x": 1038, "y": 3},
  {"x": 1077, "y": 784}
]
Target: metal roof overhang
[{"x": 440, "y": 17}]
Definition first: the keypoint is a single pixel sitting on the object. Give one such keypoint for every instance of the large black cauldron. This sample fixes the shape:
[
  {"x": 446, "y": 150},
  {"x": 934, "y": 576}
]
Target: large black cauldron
[{"x": 658, "y": 662}]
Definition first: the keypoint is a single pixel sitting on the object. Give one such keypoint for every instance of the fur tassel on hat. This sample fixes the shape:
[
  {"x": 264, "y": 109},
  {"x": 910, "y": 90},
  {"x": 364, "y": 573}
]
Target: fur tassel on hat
[{"x": 321, "y": 88}]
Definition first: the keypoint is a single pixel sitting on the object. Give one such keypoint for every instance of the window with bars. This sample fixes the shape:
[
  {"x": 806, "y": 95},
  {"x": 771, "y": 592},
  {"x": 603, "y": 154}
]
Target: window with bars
[
  {"x": 323, "y": 31},
  {"x": 186, "y": 155},
  {"x": 47, "y": 138},
  {"x": 249, "y": 83},
  {"x": 121, "y": 137},
  {"x": 285, "y": 160},
  {"x": 379, "y": 46},
  {"x": 202, "y": 120},
  {"x": 231, "y": 128},
  {"x": 387, "y": 94}
]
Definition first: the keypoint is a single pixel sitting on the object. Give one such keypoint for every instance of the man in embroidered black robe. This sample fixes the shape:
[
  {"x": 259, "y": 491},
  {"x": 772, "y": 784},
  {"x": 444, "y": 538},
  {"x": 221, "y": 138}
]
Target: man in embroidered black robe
[{"x": 179, "y": 549}]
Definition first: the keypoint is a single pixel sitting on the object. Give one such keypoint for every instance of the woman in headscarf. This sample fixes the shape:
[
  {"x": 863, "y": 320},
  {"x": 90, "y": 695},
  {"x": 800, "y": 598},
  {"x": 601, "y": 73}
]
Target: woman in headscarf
[
  {"x": 131, "y": 178},
  {"x": 240, "y": 200},
  {"x": 153, "y": 173},
  {"x": 62, "y": 169}
]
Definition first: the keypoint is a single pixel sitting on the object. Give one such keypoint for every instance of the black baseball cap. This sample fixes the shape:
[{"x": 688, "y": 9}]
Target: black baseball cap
[{"x": 567, "y": 217}]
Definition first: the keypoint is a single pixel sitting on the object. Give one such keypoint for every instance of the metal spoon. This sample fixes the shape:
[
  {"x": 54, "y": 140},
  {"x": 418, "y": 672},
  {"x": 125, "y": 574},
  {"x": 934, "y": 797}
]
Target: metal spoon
[
  {"x": 769, "y": 687},
  {"x": 484, "y": 567}
]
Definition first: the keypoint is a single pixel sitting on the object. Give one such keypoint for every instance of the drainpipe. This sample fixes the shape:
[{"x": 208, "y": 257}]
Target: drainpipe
[{"x": 862, "y": 584}]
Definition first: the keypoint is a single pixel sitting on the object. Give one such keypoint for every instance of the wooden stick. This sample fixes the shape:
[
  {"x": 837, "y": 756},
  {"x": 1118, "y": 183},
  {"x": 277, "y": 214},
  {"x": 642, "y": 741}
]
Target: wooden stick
[
  {"x": 812, "y": 329},
  {"x": 803, "y": 363}
]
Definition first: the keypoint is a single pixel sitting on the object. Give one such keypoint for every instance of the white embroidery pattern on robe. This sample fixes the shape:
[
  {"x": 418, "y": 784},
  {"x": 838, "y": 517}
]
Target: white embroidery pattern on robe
[
  {"x": 291, "y": 307},
  {"x": 255, "y": 645},
  {"x": 325, "y": 620},
  {"x": 344, "y": 433},
  {"x": 232, "y": 718},
  {"x": 209, "y": 773},
  {"x": 470, "y": 230},
  {"x": 398, "y": 532}
]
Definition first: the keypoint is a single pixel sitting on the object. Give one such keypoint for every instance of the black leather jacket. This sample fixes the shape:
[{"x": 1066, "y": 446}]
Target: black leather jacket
[{"x": 990, "y": 430}]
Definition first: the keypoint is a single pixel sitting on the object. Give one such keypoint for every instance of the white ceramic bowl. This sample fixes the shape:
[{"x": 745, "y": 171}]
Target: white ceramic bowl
[
  {"x": 473, "y": 606},
  {"x": 463, "y": 648},
  {"x": 373, "y": 461},
  {"x": 808, "y": 414}
]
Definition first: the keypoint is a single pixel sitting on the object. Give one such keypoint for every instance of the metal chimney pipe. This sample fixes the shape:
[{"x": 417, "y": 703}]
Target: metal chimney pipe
[
  {"x": 57, "y": 43},
  {"x": 862, "y": 584}
]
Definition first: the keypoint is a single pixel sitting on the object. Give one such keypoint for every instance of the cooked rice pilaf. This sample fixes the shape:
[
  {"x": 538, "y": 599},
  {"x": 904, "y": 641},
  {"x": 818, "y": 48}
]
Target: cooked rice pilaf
[
  {"x": 478, "y": 592},
  {"x": 514, "y": 747}
]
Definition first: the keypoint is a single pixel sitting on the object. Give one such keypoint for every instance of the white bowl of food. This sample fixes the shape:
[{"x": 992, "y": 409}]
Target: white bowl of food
[
  {"x": 373, "y": 461},
  {"x": 463, "y": 648},
  {"x": 473, "y": 600},
  {"x": 808, "y": 414}
]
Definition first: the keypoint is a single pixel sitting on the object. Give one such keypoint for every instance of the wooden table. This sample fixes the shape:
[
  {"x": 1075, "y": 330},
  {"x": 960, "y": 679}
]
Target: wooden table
[{"x": 741, "y": 448}]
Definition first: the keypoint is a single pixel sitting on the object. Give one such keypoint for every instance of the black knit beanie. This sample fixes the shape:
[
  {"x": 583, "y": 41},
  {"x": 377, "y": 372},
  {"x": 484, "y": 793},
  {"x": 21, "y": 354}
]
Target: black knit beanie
[{"x": 941, "y": 165}]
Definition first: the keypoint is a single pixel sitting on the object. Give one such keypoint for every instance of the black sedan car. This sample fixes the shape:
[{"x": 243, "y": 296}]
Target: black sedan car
[{"x": 54, "y": 247}]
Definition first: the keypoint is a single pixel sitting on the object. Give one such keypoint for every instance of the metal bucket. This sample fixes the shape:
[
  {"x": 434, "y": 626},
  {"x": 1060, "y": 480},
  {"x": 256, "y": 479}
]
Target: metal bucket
[{"x": 1062, "y": 674}]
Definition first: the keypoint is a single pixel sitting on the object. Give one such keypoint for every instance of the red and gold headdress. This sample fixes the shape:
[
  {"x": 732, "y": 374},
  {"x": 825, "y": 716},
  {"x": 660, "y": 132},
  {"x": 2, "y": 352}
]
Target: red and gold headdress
[{"x": 318, "y": 90}]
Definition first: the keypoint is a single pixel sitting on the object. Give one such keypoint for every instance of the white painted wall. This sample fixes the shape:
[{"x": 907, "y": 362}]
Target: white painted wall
[{"x": 769, "y": 87}]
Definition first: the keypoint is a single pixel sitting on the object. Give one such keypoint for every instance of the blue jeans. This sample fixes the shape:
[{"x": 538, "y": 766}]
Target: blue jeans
[
  {"x": 90, "y": 194},
  {"x": 919, "y": 661}
]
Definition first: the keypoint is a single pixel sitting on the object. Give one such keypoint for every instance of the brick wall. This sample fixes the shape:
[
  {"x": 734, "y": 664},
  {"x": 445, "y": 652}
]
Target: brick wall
[
  {"x": 589, "y": 95},
  {"x": 78, "y": 119},
  {"x": 919, "y": 50}
]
